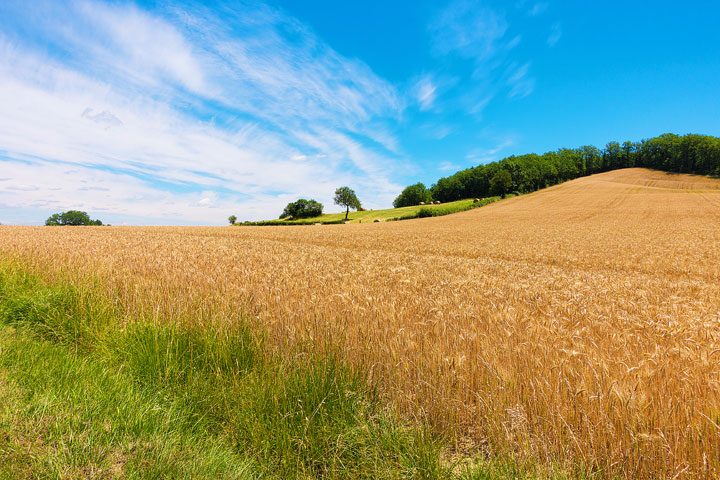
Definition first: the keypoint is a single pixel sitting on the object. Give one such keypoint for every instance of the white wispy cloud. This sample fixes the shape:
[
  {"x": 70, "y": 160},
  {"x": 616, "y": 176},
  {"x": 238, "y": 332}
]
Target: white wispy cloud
[
  {"x": 521, "y": 85},
  {"x": 437, "y": 131},
  {"x": 448, "y": 167},
  {"x": 104, "y": 118},
  {"x": 555, "y": 34},
  {"x": 57, "y": 186},
  {"x": 468, "y": 29},
  {"x": 485, "y": 155},
  {"x": 475, "y": 31},
  {"x": 538, "y": 9},
  {"x": 137, "y": 44},
  {"x": 426, "y": 92},
  {"x": 197, "y": 113}
]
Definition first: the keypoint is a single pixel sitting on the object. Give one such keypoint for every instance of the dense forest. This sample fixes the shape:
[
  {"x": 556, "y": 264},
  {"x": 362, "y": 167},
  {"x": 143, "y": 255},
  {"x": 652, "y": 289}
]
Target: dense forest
[{"x": 672, "y": 153}]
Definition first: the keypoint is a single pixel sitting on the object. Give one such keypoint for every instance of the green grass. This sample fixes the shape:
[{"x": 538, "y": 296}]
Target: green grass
[
  {"x": 69, "y": 416},
  {"x": 149, "y": 401},
  {"x": 83, "y": 395},
  {"x": 391, "y": 214}
]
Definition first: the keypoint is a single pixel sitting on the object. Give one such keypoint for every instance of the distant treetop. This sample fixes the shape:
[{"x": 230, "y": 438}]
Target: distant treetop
[
  {"x": 302, "y": 208},
  {"x": 413, "y": 195},
  {"x": 71, "y": 218}
]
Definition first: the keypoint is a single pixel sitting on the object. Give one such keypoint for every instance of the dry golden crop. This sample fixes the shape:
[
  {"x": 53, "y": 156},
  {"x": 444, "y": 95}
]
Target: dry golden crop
[{"x": 576, "y": 325}]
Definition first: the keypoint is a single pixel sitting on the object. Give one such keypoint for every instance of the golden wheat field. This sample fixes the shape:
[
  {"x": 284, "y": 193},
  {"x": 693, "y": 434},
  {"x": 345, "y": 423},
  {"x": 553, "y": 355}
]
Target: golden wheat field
[{"x": 576, "y": 325}]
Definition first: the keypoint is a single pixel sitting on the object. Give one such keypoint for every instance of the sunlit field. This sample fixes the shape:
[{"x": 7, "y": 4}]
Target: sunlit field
[{"x": 576, "y": 328}]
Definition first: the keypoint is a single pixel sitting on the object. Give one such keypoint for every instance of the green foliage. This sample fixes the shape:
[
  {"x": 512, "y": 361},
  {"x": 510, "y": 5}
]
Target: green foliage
[
  {"x": 345, "y": 196},
  {"x": 672, "y": 153},
  {"x": 612, "y": 157},
  {"x": 424, "y": 212},
  {"x": 413, "y": 195},
  {"x": 302, "y": 209},
  {"x": 71, "y": 217},
  {"x": 64, "y": 415},
  {"x": 232, "y": 219},
  {"x": 501, "y": 183}
]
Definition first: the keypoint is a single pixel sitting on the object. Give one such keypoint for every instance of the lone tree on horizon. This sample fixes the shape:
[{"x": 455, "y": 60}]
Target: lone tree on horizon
[
  {"x": 345, "y": 196},
  {"x": 71, "y": 217},
  {"x": 232, "y": 219}
]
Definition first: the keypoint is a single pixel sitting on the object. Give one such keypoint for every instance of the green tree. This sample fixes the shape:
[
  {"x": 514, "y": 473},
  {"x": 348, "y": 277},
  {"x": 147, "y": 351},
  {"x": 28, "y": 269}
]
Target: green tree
[
  {"x": 629, "y": 150},
  {"x": 413, "y": 195},
  {"x": 232, "y": 219},
  {"x": 302, "y": 209},
  {"x": 592, "y": 157},
  {"x": 345, "y": 196},
  {"x": 501, "y": 183},
  {"x": 72, "y": 218},
  {"x": 53, "y": 220},
  {"x": 612, "y": 156},
  {"x": 448, "y": 188}
]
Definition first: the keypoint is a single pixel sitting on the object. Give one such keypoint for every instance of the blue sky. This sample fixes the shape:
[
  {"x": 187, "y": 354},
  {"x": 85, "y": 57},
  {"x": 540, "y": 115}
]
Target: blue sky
[{"x": 162, "y": 112}]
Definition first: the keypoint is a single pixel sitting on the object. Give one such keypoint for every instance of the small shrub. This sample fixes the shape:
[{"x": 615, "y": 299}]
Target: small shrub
[{"x": 425, "y": 212}]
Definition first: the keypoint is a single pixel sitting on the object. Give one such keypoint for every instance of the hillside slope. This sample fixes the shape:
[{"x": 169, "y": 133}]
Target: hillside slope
[{"x": 383, "y": 215}]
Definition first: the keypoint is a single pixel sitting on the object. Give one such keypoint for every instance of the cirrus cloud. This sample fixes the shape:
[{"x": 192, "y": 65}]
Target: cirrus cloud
[{"x": 194, "y": 112}]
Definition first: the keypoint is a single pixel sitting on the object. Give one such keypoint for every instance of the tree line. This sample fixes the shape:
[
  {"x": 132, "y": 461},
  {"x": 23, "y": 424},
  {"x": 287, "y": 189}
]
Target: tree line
[{"x": 526, "y": 173}]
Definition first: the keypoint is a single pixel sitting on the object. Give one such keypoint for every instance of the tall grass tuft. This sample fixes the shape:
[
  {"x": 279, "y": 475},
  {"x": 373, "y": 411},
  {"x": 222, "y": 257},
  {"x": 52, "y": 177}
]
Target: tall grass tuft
[{"x": 306, "y": 416}]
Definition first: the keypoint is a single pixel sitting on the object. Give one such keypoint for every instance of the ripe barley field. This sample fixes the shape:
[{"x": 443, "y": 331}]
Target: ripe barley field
[{"x": 577, "y": 327}]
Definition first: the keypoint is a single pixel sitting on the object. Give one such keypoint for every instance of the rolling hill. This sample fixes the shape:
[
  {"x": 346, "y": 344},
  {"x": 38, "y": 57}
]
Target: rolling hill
[{"x": 569, "y": 332}]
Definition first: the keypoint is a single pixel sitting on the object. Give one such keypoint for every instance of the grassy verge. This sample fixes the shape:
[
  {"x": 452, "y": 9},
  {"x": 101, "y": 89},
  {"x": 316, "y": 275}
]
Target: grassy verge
[
  {"x": 86, "y": 395},
  {"x": 144, "y": 401},
  {"x": 66, "y": 416},
  {"x": 391, "y": 214}
]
